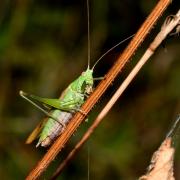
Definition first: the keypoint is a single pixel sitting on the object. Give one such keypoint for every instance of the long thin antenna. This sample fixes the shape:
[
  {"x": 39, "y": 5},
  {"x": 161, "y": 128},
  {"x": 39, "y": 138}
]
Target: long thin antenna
[
  {"x": 111, "y": 50},
  {"x": 89, "y": 43}
]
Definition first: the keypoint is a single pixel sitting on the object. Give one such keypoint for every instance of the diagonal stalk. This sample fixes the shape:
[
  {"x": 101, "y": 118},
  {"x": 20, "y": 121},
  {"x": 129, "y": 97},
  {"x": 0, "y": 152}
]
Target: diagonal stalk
[
  {"x": 104, "y": 84},
  {"x": 167, "y": 28}
]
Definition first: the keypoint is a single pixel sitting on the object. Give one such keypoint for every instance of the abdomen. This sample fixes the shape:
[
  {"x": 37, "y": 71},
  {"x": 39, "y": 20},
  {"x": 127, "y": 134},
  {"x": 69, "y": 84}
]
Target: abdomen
[{"x": 52, "y": 128}]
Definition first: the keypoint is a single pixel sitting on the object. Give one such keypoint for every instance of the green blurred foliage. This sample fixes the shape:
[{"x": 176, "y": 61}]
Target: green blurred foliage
[{"x": 43, "y": 47}]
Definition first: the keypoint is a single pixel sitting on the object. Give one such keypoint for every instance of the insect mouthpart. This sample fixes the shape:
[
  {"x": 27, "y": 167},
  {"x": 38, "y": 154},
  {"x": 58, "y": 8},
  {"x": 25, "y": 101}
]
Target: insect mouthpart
[{"x": 89, "y": 89}]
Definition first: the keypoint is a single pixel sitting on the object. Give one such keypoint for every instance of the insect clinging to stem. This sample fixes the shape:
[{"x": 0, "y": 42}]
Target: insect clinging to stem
[{"x": 70, "y": 101}]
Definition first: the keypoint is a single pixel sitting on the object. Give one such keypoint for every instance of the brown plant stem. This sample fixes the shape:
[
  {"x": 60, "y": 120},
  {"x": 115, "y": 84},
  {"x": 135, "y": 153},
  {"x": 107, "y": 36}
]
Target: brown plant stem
[
  {"x": 91, "y": 101},
  {"x": 162, "y": 161},
  {"x": 167, "y": 27}
]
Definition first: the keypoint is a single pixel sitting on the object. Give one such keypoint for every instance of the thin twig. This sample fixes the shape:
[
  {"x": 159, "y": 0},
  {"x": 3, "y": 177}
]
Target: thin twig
[
  {"x": 91, "y": 101},
  {"x": 168, "y": 26}
]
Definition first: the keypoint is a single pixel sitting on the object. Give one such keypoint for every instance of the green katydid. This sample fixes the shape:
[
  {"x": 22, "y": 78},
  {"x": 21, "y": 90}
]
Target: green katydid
[
  {"x": 62, "y": 109},
  {"x": 69, "y": 102}
]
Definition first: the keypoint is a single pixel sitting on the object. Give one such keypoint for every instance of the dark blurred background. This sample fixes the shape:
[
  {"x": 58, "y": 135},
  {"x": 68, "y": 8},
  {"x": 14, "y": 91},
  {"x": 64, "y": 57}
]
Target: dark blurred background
[{"x": 43, "y": 47}]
